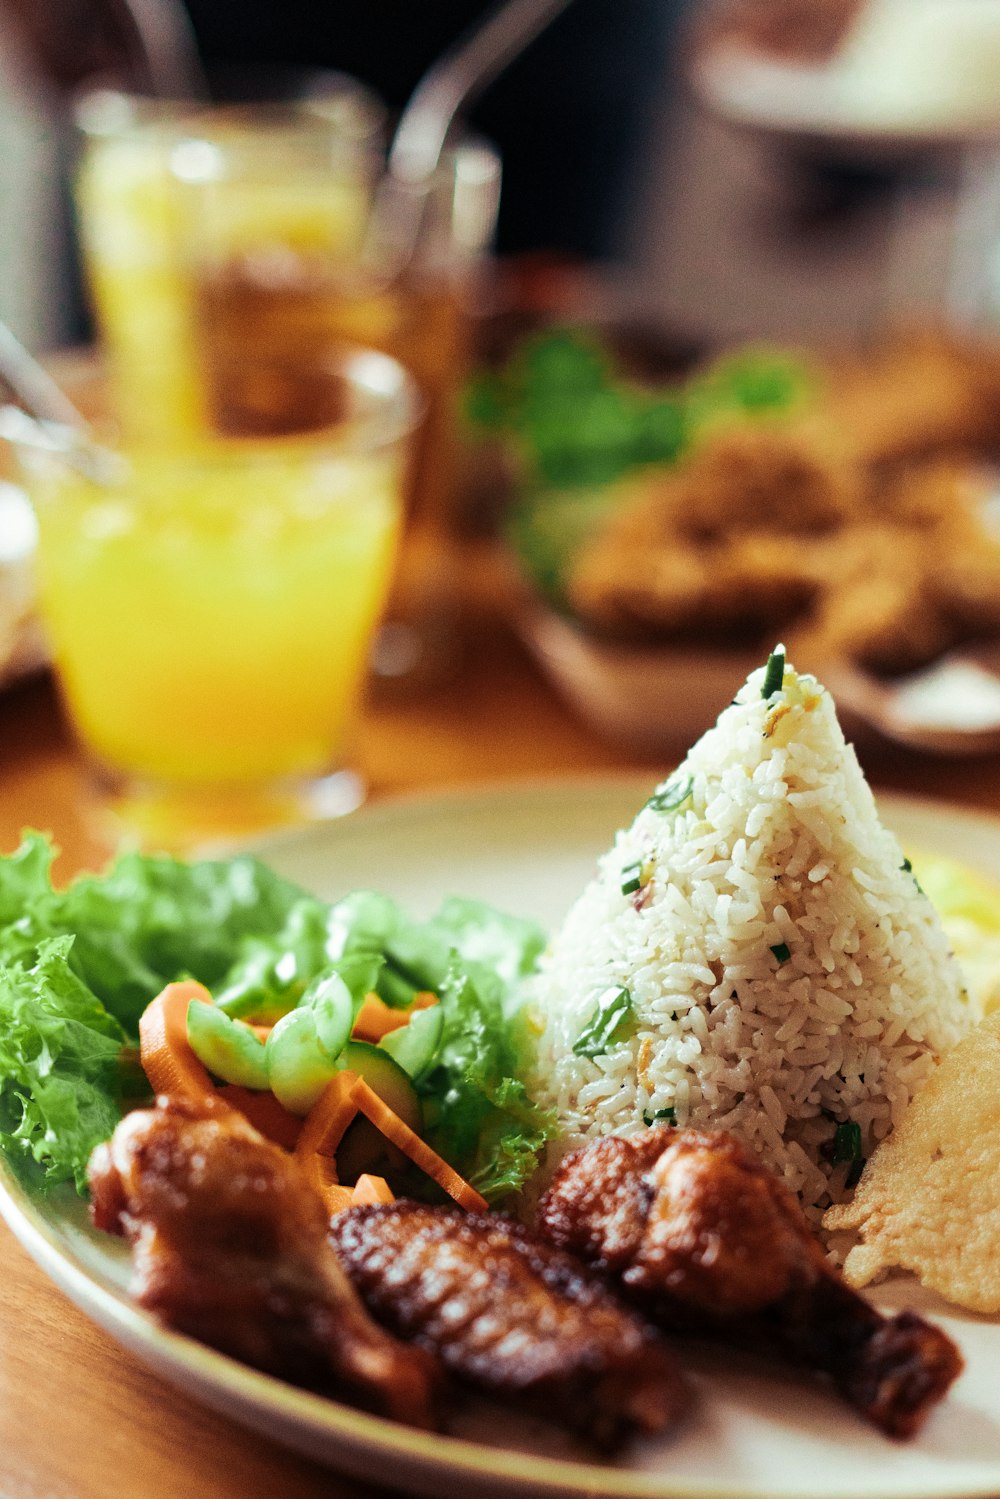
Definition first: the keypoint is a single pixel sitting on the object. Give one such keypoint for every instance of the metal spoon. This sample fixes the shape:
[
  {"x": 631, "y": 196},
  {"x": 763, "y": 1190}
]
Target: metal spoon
[
  {"x": 34, "y": 387},
  {"x": 49, "y": 421},
  {"x": 453, "y": 81}
]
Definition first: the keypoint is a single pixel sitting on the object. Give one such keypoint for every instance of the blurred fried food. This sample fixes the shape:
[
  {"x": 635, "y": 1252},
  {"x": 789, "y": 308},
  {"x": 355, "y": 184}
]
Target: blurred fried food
[
  {"x": 929, "y": 1198},
  {"x": 853, "y": 526}
]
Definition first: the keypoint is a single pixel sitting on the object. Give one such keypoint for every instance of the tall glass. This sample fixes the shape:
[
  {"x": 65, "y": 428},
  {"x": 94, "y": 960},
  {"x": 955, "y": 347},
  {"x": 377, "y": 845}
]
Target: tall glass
[
  {"x": 319, "y": 161},
  {"x": 266, "y": 250},
  {"x": 211, "y": 606}
]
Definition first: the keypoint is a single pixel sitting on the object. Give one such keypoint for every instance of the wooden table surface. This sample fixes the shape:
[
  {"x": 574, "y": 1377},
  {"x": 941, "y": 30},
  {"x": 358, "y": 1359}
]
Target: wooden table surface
[{"x": 79, "y": 1417}]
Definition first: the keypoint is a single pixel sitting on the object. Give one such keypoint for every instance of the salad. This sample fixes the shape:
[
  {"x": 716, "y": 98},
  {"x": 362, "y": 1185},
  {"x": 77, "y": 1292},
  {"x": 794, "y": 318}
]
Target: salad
[
  {"x": 583, "y": 436},
  {"x": 275, "y": 999}
]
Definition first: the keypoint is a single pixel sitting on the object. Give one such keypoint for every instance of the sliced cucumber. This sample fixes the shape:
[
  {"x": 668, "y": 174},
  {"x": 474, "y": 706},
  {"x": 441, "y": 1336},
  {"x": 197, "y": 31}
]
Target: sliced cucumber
[
  {"x": 298, "y": 1067},
  {"x": 228, "y": 1049},
  {"x": 414, "y": 1046},
  {"x": 365, "y": 1148},
  {"x": 385, "y": 1076},
  {"x": 333, "y": 1012}
]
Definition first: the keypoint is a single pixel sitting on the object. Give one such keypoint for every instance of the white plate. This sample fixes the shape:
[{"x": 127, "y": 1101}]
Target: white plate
[
  {"x": 758, "y": 1432},
  {"x": 821, "y": 107}
]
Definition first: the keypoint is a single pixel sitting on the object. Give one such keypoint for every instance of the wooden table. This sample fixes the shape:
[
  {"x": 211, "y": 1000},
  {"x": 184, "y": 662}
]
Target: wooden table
[{"x": 79, "y": 1417}]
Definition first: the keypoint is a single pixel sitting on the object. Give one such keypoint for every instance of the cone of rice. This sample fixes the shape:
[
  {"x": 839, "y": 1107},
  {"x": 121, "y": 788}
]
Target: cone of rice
[{"x": 754, "y": 954}]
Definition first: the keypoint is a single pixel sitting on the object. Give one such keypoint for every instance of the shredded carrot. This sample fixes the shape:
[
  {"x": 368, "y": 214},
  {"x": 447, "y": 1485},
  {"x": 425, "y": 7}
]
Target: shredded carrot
[
  {"x": 376, "y": 1019},
  {"x": 164, "y": 1049},
  {"x": 401, "y": 1135},
  {"x": 338, "y": 1199},
  {"x": 323, "y": 1129},
  {"x": 323, "y": 1176},
  {"x": 371, "y": 1189},
  {"x": 264, "y": 1112},
  {"x": 324, "y": 1125}
]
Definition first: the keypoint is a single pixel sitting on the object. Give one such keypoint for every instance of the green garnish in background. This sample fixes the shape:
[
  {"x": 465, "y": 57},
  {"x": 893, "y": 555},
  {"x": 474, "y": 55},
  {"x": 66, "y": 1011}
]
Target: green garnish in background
[
  {"x": 659, "y": 1116},
  {"x": 581, "y": 430},
  {"x": 672, "y": 796},
  {"x": 847, "y": 1147}
]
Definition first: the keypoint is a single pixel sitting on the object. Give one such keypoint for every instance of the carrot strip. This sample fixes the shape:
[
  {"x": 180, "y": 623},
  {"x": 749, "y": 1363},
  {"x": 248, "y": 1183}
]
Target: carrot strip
[
  {"x": 338, "y": 1199},
  {"x": 325, "y": 1123},
  {"x": 376, "y": 1019},
  {"x": 264, "y": 1112},
  {"x": 402, "y": 1136},
  {"x": 371, "y": 1189},
  {"x": 164, "y": 1049},
  {"x": 323, "y": 1129}
]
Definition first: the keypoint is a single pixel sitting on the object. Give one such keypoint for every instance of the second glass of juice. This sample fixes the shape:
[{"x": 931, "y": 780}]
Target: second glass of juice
[
  {"x": 315, "y": 161},
  {"x": 211, "y": 607}
]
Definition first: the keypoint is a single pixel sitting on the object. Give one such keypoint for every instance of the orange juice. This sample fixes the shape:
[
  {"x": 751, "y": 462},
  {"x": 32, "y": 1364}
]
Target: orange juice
[{"x": 210, "y": 617}]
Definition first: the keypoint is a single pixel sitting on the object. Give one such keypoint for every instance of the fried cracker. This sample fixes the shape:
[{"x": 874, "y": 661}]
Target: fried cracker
[{"x": 929, "y": 1198}]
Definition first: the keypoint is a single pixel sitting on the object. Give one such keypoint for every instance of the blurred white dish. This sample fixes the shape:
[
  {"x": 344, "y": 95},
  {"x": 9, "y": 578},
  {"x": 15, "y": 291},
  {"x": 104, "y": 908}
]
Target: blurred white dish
[
  {"x": 656, "y": 699},
  {"x": 909, "y": 76}
]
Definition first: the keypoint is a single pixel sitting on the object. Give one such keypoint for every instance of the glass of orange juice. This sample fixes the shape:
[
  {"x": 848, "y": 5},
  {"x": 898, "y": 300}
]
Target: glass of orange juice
[{"x": 211, "y": 604}]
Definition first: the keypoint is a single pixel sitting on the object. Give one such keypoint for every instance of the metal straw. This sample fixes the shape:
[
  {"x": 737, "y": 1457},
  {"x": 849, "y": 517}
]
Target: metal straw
[{"x": 458, "y": 76}]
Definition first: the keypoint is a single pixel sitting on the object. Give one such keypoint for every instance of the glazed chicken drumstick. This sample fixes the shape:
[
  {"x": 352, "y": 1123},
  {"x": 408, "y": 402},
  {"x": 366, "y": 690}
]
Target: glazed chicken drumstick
[
  {"x": 704, "y": 1239},
  {"x": 513, "y": 1317},
  {"x": 229, "y": 1245}
]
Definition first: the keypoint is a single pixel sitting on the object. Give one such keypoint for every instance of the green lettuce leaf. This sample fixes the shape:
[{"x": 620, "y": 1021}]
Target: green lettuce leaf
[
  {"x": 144, "y": 922},
  {"x": 62, "y": 1076},
  {"x": 477, "y": 1111}
]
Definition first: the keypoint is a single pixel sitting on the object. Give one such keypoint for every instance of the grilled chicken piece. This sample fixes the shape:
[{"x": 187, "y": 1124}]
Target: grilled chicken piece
[
  {"x": 702, "y": 1238},
  {"x": 229, "y": 1245},
  {"x": 512, "y": 1316}
]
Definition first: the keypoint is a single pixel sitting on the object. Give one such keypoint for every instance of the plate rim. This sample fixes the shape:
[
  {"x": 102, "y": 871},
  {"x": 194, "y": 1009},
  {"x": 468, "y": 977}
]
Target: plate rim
[{"x": 242, "y": 1394}]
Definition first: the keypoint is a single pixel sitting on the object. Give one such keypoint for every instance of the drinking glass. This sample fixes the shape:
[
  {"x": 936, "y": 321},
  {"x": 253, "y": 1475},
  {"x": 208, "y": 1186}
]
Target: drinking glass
[
  {"x": 211, "y": 604},
  {"x": 319, "y": 159},
  {"x": 265, "y": 259}
]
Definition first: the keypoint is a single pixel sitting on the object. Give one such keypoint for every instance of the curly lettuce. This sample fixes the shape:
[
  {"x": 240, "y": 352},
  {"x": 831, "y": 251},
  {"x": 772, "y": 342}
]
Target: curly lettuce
[{"x": 78, "y": 966}]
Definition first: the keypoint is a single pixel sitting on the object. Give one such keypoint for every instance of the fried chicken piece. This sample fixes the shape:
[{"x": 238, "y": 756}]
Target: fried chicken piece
[
  {"x": 229, "y": 1245},
  {"x": 905, "y": 588},
  {"x": 704, "y": 1239},
  {"x": 512, "y": 1316},
  {"x": 912, "y": 397},
  {"x": 712, "y": 548}
]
